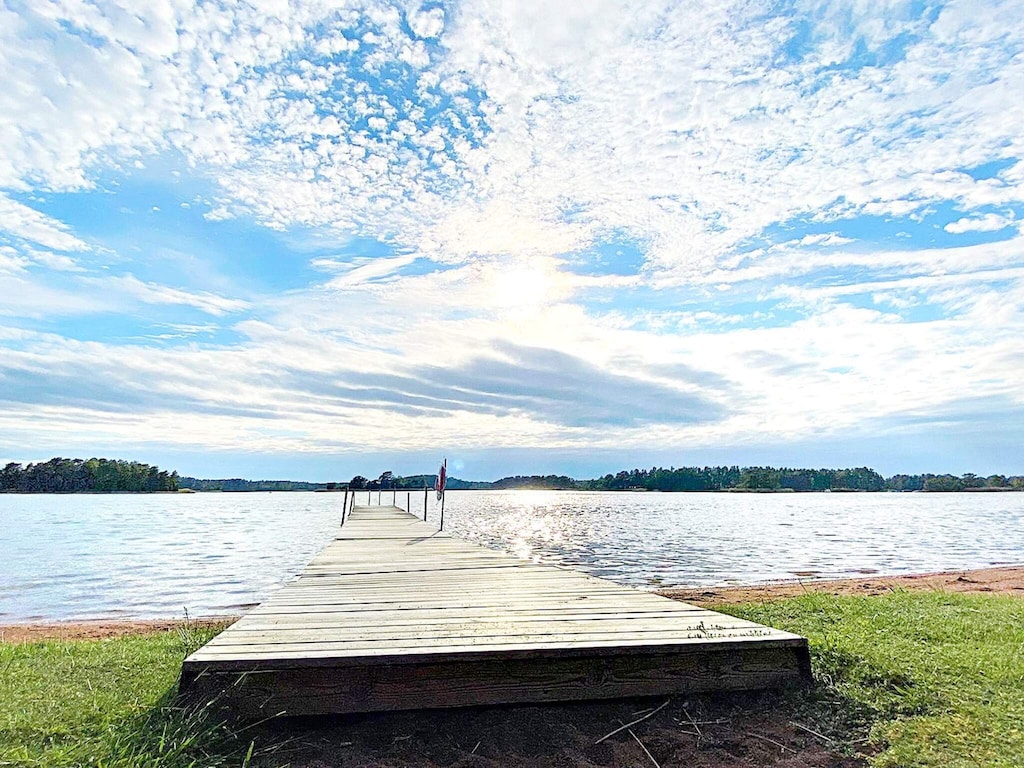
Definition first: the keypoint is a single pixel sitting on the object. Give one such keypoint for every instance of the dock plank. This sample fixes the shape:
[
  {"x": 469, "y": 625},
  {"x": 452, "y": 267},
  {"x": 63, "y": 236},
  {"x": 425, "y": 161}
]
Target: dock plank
[{"x": 393, "y": 614}]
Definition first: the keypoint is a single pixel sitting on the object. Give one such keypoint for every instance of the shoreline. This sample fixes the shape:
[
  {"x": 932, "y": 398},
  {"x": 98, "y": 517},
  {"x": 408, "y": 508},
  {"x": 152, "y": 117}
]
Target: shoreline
[
  {"x": 102, "y": 629},
  {"x": 1001, "y": 579},
  {"x": 1007, "y": 580}
]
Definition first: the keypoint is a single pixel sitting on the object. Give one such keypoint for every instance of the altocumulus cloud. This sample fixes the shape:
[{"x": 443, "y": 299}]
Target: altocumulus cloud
[{"x": 519, "y": 225}]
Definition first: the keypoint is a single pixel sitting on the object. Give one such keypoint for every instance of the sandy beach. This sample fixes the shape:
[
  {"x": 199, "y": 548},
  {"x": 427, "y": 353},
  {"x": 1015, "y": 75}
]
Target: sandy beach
[
  {"x": 99, "y": 629},
  {"x": 1002, "y": 580}
]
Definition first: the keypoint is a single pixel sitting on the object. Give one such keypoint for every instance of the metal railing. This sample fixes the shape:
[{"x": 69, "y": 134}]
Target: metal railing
[{"x": 350, "y": 501}]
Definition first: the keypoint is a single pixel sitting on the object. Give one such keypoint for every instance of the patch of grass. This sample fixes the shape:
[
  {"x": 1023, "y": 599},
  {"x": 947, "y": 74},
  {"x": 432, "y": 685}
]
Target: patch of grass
[
  {"x": 932, "y": 678},
  {"x": 107, "y": 703},
  {"x": 191, "y": 636}
]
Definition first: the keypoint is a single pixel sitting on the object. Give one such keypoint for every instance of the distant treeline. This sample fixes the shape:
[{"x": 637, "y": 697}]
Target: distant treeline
[
  {"x": 104, "y": 475},
  {"x": 681, "y": 479},
  {"x": 237, "y": 484},
  {"x": 785, "y": 478},
  {"x": 386, "y": 480},
  {"x": 86, "y": 476}
]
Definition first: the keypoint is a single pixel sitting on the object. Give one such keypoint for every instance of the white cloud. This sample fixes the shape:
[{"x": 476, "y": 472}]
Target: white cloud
[
  {"x": 31, "y": 226},
  {"x": 130, "y": 287},
  {"x": 55, "y": 261},
  {"x": 501, "y": 229},
  {"x": 990, "y": 222},
  {"x": 688, "y": 127},
  {"x": 790, "y": 264},
  {"x": 427, "y": 24},
  {"x": 12, "y": 261},
  {"x": 359, "y": 271},
  {"x": 829, "y": 238},
  {"x": 922, "y": 282},
  {"x": 28, "y": 297}
]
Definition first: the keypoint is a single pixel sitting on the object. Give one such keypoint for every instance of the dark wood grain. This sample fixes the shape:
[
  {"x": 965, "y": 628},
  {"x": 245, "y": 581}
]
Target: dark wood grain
[{"x": 338, "y": 689}]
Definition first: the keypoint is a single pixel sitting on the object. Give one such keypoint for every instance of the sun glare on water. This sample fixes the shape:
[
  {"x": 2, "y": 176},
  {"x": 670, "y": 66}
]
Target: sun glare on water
[{"x": 534, "y": 521}]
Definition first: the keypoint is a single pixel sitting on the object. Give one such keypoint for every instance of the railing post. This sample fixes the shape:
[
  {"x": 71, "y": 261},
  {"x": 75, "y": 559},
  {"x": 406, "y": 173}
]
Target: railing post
[
  {"x": 425, "y": 503},
  {"x": 408, "y": 502},
  {"x": 344, "y": 507}
]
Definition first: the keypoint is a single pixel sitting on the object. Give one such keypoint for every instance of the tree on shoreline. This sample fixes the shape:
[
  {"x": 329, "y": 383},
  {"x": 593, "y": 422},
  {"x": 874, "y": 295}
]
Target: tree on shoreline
[{"x": 59, "y": 475}]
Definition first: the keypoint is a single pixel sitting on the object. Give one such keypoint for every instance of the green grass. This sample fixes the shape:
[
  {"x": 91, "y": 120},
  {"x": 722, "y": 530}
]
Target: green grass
[
  {"x": 914, "y": 679},
  {"x": 106, "y": 703},
  {"x": 935, "y": 679}
]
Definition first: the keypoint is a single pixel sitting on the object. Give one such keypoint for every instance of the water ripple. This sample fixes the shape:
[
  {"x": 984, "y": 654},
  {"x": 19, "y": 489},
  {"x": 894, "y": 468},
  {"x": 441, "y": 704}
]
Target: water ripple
[{"x": 90, "y": 556}]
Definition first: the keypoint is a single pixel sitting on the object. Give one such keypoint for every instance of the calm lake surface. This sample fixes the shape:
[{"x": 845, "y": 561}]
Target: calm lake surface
[{"x": 139, "y": 556}]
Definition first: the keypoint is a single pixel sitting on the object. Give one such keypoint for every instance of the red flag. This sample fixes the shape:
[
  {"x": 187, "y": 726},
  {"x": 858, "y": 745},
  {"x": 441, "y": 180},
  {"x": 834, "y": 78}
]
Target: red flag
[{"x": 442, "y": 479}]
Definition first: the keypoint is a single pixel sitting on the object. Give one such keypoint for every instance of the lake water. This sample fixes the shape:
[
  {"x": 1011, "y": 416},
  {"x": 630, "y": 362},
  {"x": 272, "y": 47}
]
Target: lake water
[{"x": 154, "y": 556}]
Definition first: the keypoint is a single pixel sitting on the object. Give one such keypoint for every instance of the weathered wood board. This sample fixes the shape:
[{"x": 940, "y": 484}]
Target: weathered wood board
[{"x": 394, "y": 614}]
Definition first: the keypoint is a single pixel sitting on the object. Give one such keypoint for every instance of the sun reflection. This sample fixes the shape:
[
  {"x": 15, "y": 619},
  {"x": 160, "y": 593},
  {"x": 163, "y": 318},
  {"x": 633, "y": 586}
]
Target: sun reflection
[{"x": 534, "y": 524}]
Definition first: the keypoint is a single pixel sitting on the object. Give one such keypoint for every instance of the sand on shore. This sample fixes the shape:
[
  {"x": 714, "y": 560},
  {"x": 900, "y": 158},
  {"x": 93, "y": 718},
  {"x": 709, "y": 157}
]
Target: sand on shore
[
  {"x": 1006, "y": 580},
  {"x": 100, "y": 629},
  {"x": 1002, "y": 580}
]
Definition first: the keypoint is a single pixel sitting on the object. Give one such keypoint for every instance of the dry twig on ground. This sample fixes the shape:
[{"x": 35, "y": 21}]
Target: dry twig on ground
[
  {"x": 634, "y": 722},
  {"x": 644, "y": 748}
]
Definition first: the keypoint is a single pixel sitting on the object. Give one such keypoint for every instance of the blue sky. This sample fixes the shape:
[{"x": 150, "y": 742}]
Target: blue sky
[{"x": 309, "y": 240}]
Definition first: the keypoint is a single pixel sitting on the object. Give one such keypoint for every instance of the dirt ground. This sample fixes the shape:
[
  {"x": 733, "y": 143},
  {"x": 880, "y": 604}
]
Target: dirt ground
[
  {"x": 739, "y": 730},
  {"x": 735, "y": 731}
]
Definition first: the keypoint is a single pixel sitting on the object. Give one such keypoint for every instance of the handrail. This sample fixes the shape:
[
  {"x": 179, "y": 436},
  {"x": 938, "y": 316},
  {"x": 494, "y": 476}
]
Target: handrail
[{"x": 349, "y": 502}]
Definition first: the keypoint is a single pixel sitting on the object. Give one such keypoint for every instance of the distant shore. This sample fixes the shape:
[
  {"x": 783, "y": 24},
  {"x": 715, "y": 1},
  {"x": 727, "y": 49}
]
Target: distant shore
[
  {"x": 62, "y": 475},
  {"x": 1007, "y": 580}
]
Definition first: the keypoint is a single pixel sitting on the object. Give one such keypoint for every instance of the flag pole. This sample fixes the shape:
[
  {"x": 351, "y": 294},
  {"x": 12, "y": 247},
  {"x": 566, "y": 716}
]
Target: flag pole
[{"x": 442, "y": 482}]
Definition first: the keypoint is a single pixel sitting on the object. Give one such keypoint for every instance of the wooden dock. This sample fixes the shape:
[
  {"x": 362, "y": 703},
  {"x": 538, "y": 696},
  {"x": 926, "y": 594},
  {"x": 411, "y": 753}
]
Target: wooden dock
[{"x": 394, "y": 614}]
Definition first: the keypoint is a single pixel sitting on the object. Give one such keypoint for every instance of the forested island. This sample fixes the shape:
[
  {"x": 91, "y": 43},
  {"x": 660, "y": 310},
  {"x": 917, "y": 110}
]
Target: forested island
[
  {"x": 86, "y": 476},
  {"x": 61, "y": 475}
]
